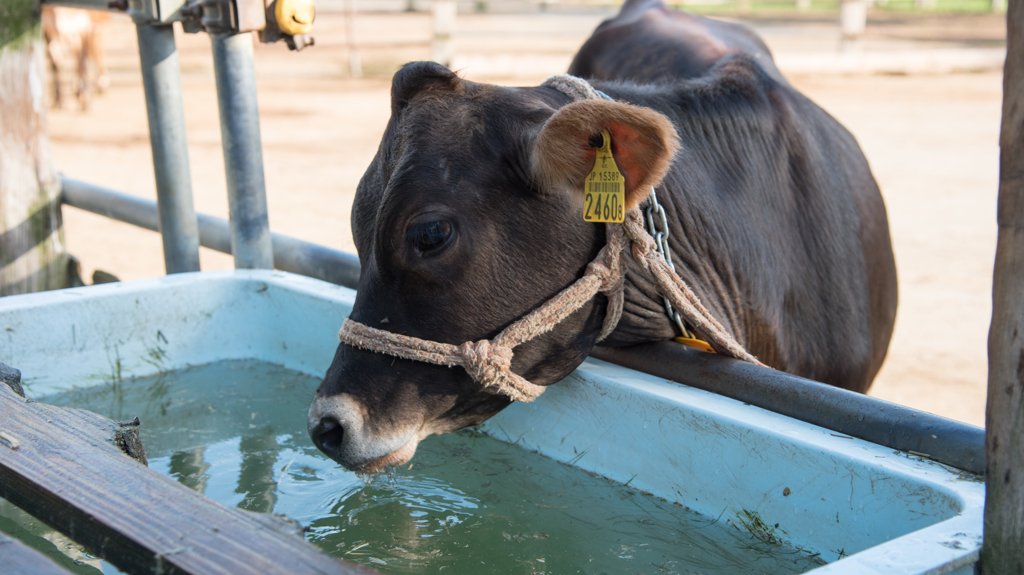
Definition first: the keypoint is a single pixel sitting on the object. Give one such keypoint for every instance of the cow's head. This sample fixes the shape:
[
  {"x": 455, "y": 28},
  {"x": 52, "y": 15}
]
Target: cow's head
[{"x": 469, "y": 217}]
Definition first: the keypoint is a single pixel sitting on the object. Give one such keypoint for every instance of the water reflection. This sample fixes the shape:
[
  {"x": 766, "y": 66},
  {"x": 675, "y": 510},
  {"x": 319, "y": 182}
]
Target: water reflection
[
  {"x": 189, "y": 468},
  {"x": 256, "y": 478}
]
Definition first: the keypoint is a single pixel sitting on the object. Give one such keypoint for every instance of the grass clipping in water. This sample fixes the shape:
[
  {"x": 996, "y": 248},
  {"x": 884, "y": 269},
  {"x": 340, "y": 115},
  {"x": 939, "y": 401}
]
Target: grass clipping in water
[
  {"x": 751, "y": 520},
  {"x": 771, "y": 535}
]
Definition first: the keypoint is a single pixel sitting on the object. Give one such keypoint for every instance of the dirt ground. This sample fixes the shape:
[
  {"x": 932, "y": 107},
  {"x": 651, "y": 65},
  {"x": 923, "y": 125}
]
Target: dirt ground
[{"x": 931, "y": 141}]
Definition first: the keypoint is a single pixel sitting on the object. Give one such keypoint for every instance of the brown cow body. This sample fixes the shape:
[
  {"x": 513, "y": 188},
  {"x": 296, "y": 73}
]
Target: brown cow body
[{"x": 464, "y": 223}]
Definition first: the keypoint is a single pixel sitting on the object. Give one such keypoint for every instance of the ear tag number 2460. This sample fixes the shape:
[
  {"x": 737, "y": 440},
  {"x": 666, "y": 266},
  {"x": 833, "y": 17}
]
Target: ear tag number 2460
[{"x": 605, "y": 187}]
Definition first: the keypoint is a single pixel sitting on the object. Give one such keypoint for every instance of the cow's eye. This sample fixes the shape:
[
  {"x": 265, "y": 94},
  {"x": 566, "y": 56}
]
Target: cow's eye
[{"x": 429, "y": 236}]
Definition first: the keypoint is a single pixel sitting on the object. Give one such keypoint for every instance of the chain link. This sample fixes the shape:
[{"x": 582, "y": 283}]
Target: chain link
[{"x": 661, "y": 241}]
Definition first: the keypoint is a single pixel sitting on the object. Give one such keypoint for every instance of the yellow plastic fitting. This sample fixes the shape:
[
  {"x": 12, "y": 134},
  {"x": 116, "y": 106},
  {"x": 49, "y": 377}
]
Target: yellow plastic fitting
[{"x": 295, "y": 16}]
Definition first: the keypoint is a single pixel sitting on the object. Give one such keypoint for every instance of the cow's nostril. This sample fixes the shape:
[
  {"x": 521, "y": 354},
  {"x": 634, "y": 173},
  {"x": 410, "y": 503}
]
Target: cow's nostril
[{"x": 329, "y": 435}]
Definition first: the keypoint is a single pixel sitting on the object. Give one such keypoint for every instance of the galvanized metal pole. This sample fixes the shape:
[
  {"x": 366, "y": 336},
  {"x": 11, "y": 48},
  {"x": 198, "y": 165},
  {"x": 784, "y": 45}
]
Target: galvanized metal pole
[
  {"x": 161, "y": 78},
  {"x": 243, "y": 151}
]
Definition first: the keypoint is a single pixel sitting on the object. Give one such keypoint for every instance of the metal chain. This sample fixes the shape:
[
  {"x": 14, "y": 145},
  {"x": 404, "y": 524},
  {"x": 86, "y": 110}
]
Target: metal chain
[{"x": 661, "y": 241}]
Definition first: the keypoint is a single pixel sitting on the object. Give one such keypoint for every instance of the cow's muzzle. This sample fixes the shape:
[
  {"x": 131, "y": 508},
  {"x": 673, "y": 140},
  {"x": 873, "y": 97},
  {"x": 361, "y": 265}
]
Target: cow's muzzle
[{"x": 337, "y": 427}]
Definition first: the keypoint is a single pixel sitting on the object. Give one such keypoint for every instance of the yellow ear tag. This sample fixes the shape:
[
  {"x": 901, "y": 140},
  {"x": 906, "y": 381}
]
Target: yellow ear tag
[{"x": 605, "y": 198}]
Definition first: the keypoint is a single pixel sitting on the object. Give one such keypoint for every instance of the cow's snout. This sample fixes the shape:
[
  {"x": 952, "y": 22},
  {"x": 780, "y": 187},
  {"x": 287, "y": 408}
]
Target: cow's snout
[{"x": 338, "y": 427}]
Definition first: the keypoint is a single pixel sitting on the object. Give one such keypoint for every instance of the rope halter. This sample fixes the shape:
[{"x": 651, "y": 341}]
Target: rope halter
[{"x": 489, "y": 362}]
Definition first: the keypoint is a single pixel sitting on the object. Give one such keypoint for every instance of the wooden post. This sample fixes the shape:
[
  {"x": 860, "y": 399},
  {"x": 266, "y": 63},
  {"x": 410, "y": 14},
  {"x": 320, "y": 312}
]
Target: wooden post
[
  {"x": 444, "y": 28},
  {"x": 32, "y": 254},
  {"x": 853, "y": 18},
  {"x": 1003, "y": 549},
  {"x": 355, "y": 62}
]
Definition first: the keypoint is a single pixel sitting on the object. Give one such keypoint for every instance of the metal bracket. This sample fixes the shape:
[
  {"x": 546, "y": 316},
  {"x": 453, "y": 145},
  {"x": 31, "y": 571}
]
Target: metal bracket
[
  {"x": 223, "y": 16},
  {"x": 144, "y": 11},
  {"x": 212, "y": 16},
  {"x": 155, "y": 11}
]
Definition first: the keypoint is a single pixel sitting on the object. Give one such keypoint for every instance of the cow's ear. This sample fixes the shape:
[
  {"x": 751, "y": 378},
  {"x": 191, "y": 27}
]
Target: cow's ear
[
  {"x": 643, "y": 144},
  {"x": 418, "y": 77}
]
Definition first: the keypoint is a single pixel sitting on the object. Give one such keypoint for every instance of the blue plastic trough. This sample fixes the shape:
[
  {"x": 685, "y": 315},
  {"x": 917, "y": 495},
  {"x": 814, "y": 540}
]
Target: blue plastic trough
[{"x": 863, "y": 507}]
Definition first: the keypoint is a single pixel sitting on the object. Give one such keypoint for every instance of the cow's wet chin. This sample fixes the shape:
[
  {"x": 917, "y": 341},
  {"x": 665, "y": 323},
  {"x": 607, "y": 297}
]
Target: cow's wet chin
[
  {"x": 403, "y": 454},
  {"x": 400, "y": 456}
]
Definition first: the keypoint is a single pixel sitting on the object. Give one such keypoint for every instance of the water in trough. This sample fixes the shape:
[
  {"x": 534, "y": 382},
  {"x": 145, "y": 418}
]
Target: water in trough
[{"x": 469, "y": 504}]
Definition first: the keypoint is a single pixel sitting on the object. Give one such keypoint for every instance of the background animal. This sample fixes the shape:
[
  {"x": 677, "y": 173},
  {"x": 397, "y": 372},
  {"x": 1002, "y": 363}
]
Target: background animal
[
  {"x": 74, "y": 45},
  {"x": 674, "y": 45},
  {"x": 463, "y": 225}
]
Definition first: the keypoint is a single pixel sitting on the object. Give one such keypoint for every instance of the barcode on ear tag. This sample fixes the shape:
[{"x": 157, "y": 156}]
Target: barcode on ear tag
[{"x": 605, "y": 191}]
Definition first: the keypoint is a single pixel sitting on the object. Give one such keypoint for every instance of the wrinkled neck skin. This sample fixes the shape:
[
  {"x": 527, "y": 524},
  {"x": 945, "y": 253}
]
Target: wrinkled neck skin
[
  {"x": 776, "y": 224},
  {"x": 644, "y": 317},
  {"x": 720, "y": 237},
  {"x": 698, "y": 249}
]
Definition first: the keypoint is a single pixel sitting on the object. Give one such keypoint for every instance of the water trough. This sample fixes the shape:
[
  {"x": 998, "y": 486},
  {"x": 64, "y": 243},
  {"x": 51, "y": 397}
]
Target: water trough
[{"x": 858, "y": 506}]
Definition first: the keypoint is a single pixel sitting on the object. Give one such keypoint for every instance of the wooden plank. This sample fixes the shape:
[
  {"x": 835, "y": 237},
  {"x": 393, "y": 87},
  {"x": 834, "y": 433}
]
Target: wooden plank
[
  {"x": 62, "y": 466},
  {"x": 1003, "y": 549},
  {"x": 20, "y": 559}
]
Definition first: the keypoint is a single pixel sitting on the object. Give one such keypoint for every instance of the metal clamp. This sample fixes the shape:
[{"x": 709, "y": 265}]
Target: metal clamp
[{"x": 223, "y": 16}]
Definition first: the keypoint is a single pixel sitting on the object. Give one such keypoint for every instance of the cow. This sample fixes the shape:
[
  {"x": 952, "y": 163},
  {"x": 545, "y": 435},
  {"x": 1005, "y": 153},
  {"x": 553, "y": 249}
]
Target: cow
[
  {"x": 470, "y": 217},
  {"x": 76, "y": 36}
]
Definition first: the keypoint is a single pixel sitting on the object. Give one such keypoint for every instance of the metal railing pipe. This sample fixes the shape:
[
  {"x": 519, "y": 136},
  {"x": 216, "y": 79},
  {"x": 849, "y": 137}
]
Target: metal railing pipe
[
  {"x": 85, "y": 4},
  {"x": 243, "y": 153},
  {"x": 290, "y": 254},
  {"x": 161, "y": 79}
]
